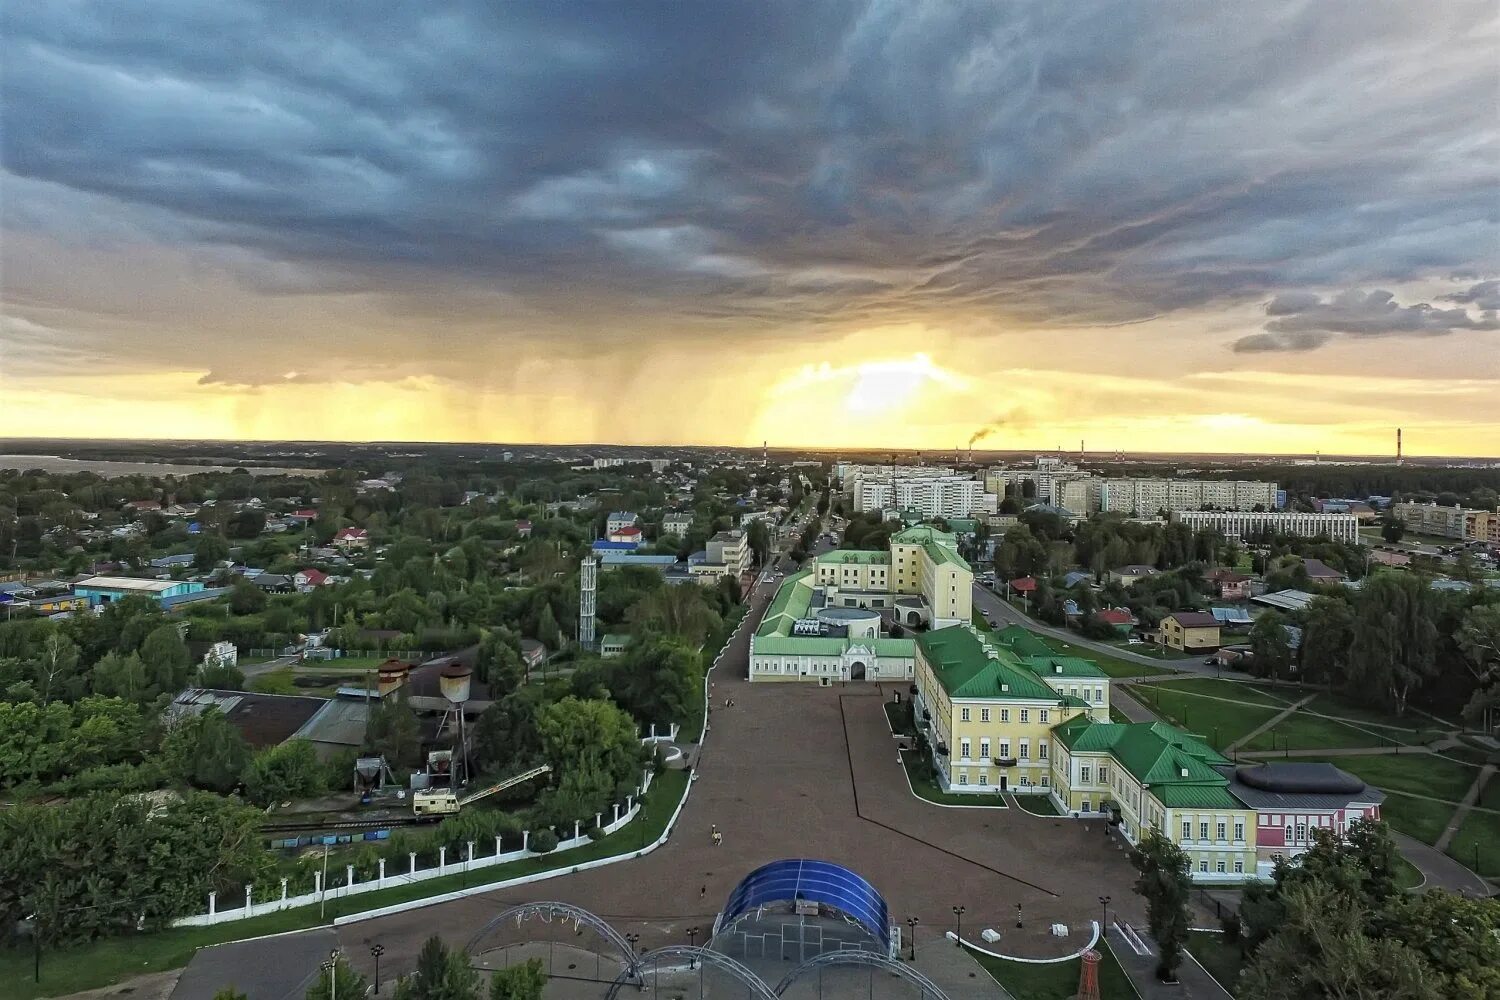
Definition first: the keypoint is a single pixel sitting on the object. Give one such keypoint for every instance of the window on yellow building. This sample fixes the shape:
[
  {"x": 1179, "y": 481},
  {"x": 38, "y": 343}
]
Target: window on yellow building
[
  {"x": 984, "y": 715},
  {"x": 1239, "y": 830},
  {"x": 1025, "y": 715},
  {"x": 963, "y": 714},
  {"x": 1044, "y": 715}
]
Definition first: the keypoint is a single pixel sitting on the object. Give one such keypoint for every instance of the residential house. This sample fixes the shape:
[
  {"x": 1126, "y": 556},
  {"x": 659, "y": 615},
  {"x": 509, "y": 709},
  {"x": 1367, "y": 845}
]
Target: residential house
[
  {"x": 678, "y": 523},
  {"x": 1189, "y": 631},
  {"x": 613, "y": 644},
  {"x": 1119, "y": 619},
  {"x": 1129, "y": 575},
  {"x": 533, "y": 654},
  {"x": 350, "y": 539},
  {"x": 274, "y": 583},
  {"x": 307, "y": 579},
  {"x": 627, "y": 533},
  {"x": 1320, "y": 572},
  {"x": 523, "y": 529},
  {"x": 1228, "y": 584}
]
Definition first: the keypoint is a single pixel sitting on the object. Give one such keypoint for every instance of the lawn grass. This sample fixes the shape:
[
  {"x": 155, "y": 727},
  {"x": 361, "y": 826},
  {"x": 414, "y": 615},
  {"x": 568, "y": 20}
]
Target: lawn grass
[
  {"x": 1111, "y": 665},
  {"x": 926, "y": 788},
  {"x": 1220, "y": 723},
  {"x": 1220, "y": 957},
  {"x": 1410, "y": 728},
  {"x": 901, "y": 718},
  {"x": 1038, "y": 805},
  {"x": 1217, "y": 688},
  {"x": 1481, "y": 830},
  {"x": 1115, "y": 715},
  {"x": 1489, "y": 795},
  {"x": 1309, "y": 732},
  {"x": 1419, "y": 818},
  {"x": 1055, "y": 980},
  {"x": 113, "y": 960},
  {"x": 1416, "y": 773},
  {"x": 278, "y": 681},
  {"x": 1408, "y": 876}
]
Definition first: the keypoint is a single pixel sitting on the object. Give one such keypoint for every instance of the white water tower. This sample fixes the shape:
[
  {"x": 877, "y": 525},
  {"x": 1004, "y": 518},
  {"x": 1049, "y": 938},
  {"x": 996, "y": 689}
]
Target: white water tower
[{"x": 455, "y": 681}]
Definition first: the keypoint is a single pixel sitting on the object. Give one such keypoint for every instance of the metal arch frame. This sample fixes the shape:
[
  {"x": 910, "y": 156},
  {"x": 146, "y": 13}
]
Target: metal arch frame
[
  {"x": 758, "y": 986},
  {"x": 577, "y": 914},
  {"x": 854, "y": 956}
]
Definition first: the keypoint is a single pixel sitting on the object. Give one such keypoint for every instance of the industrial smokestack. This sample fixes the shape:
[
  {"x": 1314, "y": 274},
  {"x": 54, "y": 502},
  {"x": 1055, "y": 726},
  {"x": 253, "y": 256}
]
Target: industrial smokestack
[{"x": 1398, "y": 446}]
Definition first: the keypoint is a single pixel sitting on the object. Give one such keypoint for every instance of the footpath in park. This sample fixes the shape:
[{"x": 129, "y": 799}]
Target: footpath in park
[
  {"x": 1466, "y": 805},
  {"x": 1138, "y": 956},
  {"x": 1275, "y": 720}
]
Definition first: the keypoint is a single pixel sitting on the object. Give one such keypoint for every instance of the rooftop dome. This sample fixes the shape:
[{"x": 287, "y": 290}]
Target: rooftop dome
[{"x": 1300, "y": 778}]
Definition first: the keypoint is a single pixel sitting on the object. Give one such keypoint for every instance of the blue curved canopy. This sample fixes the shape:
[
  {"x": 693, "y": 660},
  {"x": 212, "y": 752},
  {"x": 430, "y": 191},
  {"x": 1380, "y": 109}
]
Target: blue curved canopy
[{"x": 818, "y": 881}]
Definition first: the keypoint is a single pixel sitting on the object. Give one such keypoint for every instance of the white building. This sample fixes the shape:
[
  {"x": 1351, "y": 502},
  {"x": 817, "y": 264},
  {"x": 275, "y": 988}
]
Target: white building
[
  {"x": 1240, "y": 524},
  {"x": 1147, "y": 496},
  {"x": 619, "y": 519},
  {"x": 677, "y": 524},
  {"x": 931, "y": 495},
  {"x": 1048, "y": 475}
]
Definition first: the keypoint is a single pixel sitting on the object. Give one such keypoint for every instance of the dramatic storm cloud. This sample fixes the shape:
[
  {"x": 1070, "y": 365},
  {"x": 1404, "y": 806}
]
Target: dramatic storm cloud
[{"x": 568, "y": 210}]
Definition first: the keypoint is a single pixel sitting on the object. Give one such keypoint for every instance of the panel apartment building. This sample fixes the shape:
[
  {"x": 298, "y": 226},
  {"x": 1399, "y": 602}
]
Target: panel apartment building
[
  {"x": 1449, "y": 522},
  {"x": 1248, "y": 524},
  {"x": 1148, "y": 496},
  {"x": 930, "y": 495}
]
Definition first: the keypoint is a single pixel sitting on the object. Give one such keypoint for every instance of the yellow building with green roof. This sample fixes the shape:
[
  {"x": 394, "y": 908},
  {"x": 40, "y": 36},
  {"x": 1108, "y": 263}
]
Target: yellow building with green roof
[{"x": 988, "y": 711}]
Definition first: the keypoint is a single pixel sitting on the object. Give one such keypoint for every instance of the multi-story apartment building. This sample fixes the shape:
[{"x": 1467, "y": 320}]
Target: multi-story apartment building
[
  {"x": 1244, "y": 524},
  {"x": 1148, "y": 496},
  {"x": 1047, "y": 475},
  {"x": 679, "y": 523},
  {"x": 929, "y": 495},
  {"x": 1081, "y": 495},
  {"x": 728, "y": 554},
  {"x": 1449, "y": 522}
]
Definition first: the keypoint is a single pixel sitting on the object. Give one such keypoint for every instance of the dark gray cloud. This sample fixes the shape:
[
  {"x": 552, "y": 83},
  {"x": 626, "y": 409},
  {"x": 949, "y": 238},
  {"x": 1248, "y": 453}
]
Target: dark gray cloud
[
  {"x": 1303, "y": 321},
  {"x": 750, "y": 166}
]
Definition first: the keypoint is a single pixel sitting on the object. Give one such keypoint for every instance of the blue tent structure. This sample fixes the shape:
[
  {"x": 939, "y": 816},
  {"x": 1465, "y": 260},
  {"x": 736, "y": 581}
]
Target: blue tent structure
[{"x": 796, "y": 880}]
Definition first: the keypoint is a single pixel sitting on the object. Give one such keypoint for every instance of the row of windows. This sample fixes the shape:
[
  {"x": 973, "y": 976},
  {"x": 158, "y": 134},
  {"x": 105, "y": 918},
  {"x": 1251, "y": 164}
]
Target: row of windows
[
  {"x": 1084, "y": 771},
  {"x": 1004, "y": 754},
  {"x": 984, "y": 780},
  {"x": 1044, "y": 715},
  {"x": 1098, "y": 692},
  {"x": 1219, "y": 830},
  {"x": 1219, "y": 866}
]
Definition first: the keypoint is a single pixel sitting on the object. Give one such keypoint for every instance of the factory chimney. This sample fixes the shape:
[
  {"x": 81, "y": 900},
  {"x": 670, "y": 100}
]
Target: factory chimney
[{"x": 1398, "y": 446}]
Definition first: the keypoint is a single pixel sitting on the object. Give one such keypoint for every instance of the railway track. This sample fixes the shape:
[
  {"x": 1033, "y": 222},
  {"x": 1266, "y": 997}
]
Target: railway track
[{"x": 344, "y": 825}]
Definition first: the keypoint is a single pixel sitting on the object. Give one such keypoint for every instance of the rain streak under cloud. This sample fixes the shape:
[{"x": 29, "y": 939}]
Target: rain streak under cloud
[{"x": 651, "y": 222}]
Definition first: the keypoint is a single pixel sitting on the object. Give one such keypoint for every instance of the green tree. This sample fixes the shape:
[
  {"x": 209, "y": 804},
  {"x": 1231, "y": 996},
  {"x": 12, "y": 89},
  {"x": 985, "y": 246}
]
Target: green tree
[
  {"x": 1394, "y": 647},
  {"x": 1165, "y": 885},
  {"x": 499, "y": 664},
  {"x": 1391, "y": 529},
  {"x": 440, "y": 975},
  {"x": 168, "y": 663},
  {"x": 548, "y": 631},
  {"x": 526, "y": 981},
  {"x": 394, "y": 733},
  {"x": 122, "y": 677},
  {"x": 246, "y": 598},
  {"x": 230, "y": 993},
  {"x": 1327, "y": 630},
  {"x": 279, "y": 773},
  {"x": 758, "y": 536},
  {"x": 211, "y": 550},
  {"x": 58, "y": 662},
  {"x": 1270, "y": 646},
  {"x": 594, "y": 749},
  {"x": 1478, "y": 637},
  {"x": 205, "y": 751},
  {"x": 339, "y": 980}
]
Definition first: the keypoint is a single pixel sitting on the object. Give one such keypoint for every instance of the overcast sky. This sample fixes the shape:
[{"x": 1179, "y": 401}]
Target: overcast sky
[{"x": 1176, "y": 226}]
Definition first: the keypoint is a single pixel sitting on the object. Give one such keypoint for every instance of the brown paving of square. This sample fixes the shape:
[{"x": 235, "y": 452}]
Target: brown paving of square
[{"x": 778, "y": 775}]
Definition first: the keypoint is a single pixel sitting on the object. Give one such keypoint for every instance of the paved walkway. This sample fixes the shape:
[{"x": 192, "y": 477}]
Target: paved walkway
[
  {"x": 1132, "y": 709},
  {"x": 1138, "y": 954},
  {"x": 1338, "y": 752},
  {"x": 1465, "y": 806},
  {"x": 1440, "y": 871},
  {"x": 1274, "y": 720}
]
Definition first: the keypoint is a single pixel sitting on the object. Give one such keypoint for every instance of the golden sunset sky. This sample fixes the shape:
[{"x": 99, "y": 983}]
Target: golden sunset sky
[{"x": 1165, "y": 227}]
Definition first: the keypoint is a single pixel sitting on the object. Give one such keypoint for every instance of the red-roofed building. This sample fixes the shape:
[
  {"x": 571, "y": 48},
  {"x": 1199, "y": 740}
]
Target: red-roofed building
[
  {"x": 1023, "y": 585},
  {"x": 303, "y": 515},
  {"x": 307, "y": 579},
  {"x": 1119, "y": 619},
  {"x": 352, "y": 538},
  {"x": 629, "y": 533},
  {"x": 1231, "y": 586},
  {"x": 523, "y": 529}
]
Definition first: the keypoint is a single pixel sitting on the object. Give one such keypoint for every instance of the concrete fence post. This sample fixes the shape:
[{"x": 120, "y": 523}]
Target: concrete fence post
[
  {"x": 617, "y": 812},
  {"x": 213, "y": 904},
  {"x": 412, "y": 861},
  {"x": 247, "y": 900},
  {"x": 318, "y": 883},
  {"x": 577, "y": 828},
  {"x": 525, "y": 841},
  {"x": 283, "y": 890},
  {"x": 497, "y": 845},
  {"x": 348, "y": 878},
  {"x": 442, "y": 858},
  {"x": 598, "y": 819},
  {"x": 629, "y": 801},
  {"x": 380, "y": 876},
  {"x": 470, "y": 845}
]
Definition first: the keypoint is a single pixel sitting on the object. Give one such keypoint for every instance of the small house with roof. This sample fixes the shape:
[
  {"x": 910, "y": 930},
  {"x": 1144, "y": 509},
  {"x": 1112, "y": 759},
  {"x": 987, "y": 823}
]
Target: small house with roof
[{"x": 1189, "y": 631}]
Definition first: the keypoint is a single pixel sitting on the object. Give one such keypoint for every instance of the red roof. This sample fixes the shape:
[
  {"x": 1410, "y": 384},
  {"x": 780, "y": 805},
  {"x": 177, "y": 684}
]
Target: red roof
[
  {"x": 1116, "y": 616},
  {"x": 627, "y": 530},
  {"x": 1025, "y": 584},
  {"x": 352, "y": 533},
  {"x": 311, "y": 515},
  {"x": 316, "y": 577}
]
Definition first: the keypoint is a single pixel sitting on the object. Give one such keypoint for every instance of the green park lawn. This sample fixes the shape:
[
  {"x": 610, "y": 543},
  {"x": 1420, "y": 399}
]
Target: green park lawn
[
  {"x": 1482, "y": 831},
  {"x": 1220, "y": 723},
  {"x": 1414, "y": 773},
  {"x": 1038, "y": 805},
  {"x": 1309, "y": 732},
  {"x": 1055, "y": 980},
  {"x": 1419, "y": 818},
  {"x": 1111, "y": 665},
  {"x": 1411, "y": 728},
  {"x": 1232, "y": 690},
  {"x": 926, "y": 788},
  {"x": 899, "y": 715},
  {"x": 1221, "y": 958},
  {"x": 114, "y": 960},
  {"x": 1115, "y": 715}
]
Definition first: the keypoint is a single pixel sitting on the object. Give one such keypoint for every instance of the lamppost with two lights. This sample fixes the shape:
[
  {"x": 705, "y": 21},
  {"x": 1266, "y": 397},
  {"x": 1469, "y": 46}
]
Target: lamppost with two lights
[
  {"x": 912, "y": 923},
  {"x": 958, "y": 913},
  {"x": 376, "y": 950}
]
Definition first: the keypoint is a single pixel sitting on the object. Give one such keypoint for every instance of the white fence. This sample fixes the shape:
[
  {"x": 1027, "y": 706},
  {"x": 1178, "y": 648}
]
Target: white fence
[{"x": 470, "y": 862}]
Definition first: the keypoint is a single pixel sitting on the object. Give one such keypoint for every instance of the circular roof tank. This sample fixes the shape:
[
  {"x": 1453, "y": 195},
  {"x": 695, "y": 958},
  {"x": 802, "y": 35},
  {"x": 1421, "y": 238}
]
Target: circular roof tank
[
  {"x": 862, "y": 623},
  {"x": 454, "y": 681}
]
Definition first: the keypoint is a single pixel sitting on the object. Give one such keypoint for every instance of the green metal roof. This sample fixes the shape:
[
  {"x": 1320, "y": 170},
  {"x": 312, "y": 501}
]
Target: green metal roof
[
  {"x": 922, "y": 534},
  {"x": 791, "y": 602},
  {"x": 799, "y": 645},
  {"x": 939, "y": 553},
  {"x": 906, "y": 648},
  {"x": 1024, "y": 642},
  {"x": 867, "y": 557},
  {"x": 1053, "y": 665},
  {"x": 966, "y": 669},
  {"x": 1155, "y": 754},
  {"x": 1195, "y": 797}
]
